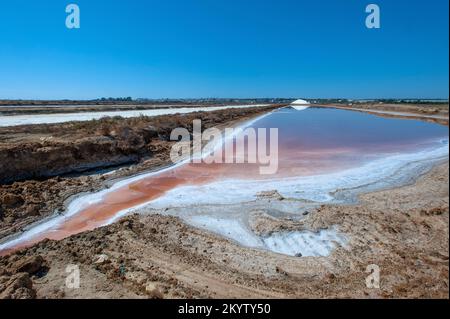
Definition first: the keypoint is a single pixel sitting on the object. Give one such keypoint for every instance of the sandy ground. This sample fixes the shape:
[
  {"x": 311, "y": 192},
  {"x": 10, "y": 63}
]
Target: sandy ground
[{"x": 403, "y": 231}]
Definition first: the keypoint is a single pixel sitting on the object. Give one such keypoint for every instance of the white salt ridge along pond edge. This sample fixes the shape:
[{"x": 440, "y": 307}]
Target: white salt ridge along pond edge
[
  {"x": 316, "y": 188},
  {"x": 291, "y": 243},
  {"x": 14, "y": 120},
  {"x": 305, "y": 243}
]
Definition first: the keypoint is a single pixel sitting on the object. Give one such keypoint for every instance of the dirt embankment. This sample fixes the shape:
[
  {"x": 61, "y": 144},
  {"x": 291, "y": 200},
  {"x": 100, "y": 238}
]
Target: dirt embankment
[
  {"x": 33, "y": 158},
  {"x": 435, "y": 113},
  {"x": 402, "y": 231}
]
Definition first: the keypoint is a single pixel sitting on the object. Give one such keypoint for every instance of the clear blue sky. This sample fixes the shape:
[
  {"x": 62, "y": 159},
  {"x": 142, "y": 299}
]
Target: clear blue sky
[{"x": 224, "y": 48}]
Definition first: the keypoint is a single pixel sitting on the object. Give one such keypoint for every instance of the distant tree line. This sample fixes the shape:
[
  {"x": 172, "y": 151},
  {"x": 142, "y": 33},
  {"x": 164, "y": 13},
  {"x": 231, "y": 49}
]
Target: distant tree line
[{"x": 117, "y": 99}]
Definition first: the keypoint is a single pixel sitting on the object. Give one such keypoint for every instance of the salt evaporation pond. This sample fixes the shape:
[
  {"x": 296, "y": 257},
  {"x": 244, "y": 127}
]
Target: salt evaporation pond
[
  {"x": 15, "y": 120},
  {"x": 320, "y": 151}
]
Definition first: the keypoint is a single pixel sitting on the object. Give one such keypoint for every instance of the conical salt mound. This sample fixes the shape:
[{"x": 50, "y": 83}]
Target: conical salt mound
[{"x": 300, "y": 102}]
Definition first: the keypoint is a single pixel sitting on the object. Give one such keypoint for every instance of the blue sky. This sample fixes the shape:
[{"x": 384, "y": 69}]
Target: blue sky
[{"x": 224, "y": 48}]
